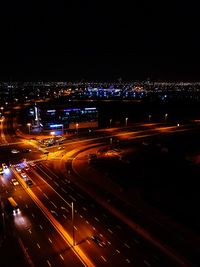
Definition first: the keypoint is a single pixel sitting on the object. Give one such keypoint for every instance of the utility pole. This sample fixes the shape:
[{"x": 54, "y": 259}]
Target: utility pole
[{"x": 73, "y": 236}]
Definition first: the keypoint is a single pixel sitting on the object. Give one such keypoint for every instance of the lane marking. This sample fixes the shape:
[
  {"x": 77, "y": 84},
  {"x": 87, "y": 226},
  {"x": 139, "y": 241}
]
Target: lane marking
[
  {"x": 64, "y": 216},
  {"x": 63, "y": 190},
  {"x": 38, "y": 245},
  {"x": 147, "y": 263},
  {"x": 50, "y": 240},
  {"x": 136, "y": 241},
  {"x": 45, "y": 195},
  {"x": 110, "y": 231},
  {"x": 53, "y": 204},
  {"x": 126, "y": 245},
  {"x": 72, "y": 197},
  {"x": 103, "y": 258},
  {"x": 49, "y": 263},
  {"x": 56, "y": 183},
  {"x": 62, "y": 257},
  {"x": 80, "y": 196},
  {"x": 41, "y": 227},
  {"x": 96, "y": 219}
]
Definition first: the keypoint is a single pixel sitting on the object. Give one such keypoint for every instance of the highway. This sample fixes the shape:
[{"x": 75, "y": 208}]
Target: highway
[{"x": 44, "y": 225}]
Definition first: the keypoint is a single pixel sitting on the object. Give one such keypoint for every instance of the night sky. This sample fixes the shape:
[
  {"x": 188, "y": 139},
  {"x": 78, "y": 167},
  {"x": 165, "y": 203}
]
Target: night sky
[{"x": 99, "y": 40}]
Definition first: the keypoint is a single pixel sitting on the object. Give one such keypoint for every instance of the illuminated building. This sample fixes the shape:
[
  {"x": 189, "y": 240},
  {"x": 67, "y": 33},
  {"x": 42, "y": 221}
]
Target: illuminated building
[{"x": 51, "y": 118}]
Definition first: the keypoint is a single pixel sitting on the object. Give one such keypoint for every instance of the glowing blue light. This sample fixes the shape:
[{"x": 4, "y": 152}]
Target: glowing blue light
[
  {"x": 90, "y": 108},
  {"x": 56, "y": 125}
]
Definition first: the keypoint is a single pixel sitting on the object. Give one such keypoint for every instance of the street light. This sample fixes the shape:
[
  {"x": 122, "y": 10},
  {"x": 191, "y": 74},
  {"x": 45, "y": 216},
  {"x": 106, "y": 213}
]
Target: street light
[
  {"x": 149, "y": 117},
  {"x": 166, "y": 115},
  {"x": 126, "y": 121},
  {"x": 52, "y": 133},
  {"x": 2, "y": 108},
  {"x": 77, "y": 128},
  {"x": 110, "y": 122},
  {"x": 73, "y": 236},
  {"x": 29, "y": 127}
]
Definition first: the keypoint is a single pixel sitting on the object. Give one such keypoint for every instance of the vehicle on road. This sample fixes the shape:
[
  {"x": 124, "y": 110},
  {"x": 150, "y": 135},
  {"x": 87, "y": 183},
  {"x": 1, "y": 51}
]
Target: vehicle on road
[
  {"x": 1, "y": 170},
  {"x": 26, "y": 150},
  {"x": 29, "y": 182},
  {"x": 13, "y": 205},
  {"x": 23, "y": 175},
  {"x": 15, "y": 182},
  {"x": 92, "y": 158},
  {"x": 27, "y": 169},
  {"x": 14, "y": 151},
  {"x": 32, "y": 164},
  {"x": 4, "y": 166},
  {"x": 18, "y": 169}
]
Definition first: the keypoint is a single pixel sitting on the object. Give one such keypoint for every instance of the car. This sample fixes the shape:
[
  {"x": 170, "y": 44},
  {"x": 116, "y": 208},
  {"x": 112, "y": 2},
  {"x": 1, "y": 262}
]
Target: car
[
  {"x": 99, "y": 241},
  {"x": 18, "y": 169},
  {"x": 32, "y": 164},
  {"x": 23, "y": 175},
  {"x": 15, "y": 182},
  {"x": 29, "y": 182},
  {"x": 14, "y": 151},
  {"x": 1, "y": 170},
  {"x": 4, "y": 166},
  {"x": 27, "y": 169},
  {"x": 26, "y": 150}
]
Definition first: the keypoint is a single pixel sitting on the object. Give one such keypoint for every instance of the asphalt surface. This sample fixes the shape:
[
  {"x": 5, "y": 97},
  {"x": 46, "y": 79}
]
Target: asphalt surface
[{"x": 46, "y": 206}]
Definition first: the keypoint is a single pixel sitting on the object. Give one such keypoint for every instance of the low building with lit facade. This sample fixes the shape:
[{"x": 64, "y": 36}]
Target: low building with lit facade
[{"x": 56, "y": 117}]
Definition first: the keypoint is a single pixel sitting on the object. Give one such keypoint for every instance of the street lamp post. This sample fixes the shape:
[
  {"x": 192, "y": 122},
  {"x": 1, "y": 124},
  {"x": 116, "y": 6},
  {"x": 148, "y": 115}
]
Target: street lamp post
[
  {"x": 110, "y": 122},
  {"x": 126, "y": 121},
  {"x": 29, "y": 127},
  {"x": 149, "y": 117},
  {"x": 77, "y": 128},
  {"x": 52, "y": 133},
  {"x": 73, "y": 236},
  {"x": 2, "y": 108}
]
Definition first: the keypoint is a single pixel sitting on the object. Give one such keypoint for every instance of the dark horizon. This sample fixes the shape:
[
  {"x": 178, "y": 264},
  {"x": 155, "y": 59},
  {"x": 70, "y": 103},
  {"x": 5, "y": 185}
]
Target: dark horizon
[{"x": 99, "y": 41}]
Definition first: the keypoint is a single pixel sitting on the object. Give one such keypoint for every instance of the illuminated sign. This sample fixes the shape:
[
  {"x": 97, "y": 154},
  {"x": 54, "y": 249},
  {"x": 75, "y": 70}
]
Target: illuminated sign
[
  {"x": 90, "y": 108},
  {"x": 56, "y": 125},
  {"x": 51, "y": 110},
  {"x": 72, "y": 109}
]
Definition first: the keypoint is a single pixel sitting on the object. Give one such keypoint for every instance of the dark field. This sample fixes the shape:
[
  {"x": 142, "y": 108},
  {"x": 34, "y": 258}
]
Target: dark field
[{"x": 165, "y": 171}]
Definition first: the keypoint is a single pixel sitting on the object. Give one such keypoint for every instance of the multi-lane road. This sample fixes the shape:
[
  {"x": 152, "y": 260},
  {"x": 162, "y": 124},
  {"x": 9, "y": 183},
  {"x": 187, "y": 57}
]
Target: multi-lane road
[{"x": 52, "y": 233}]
